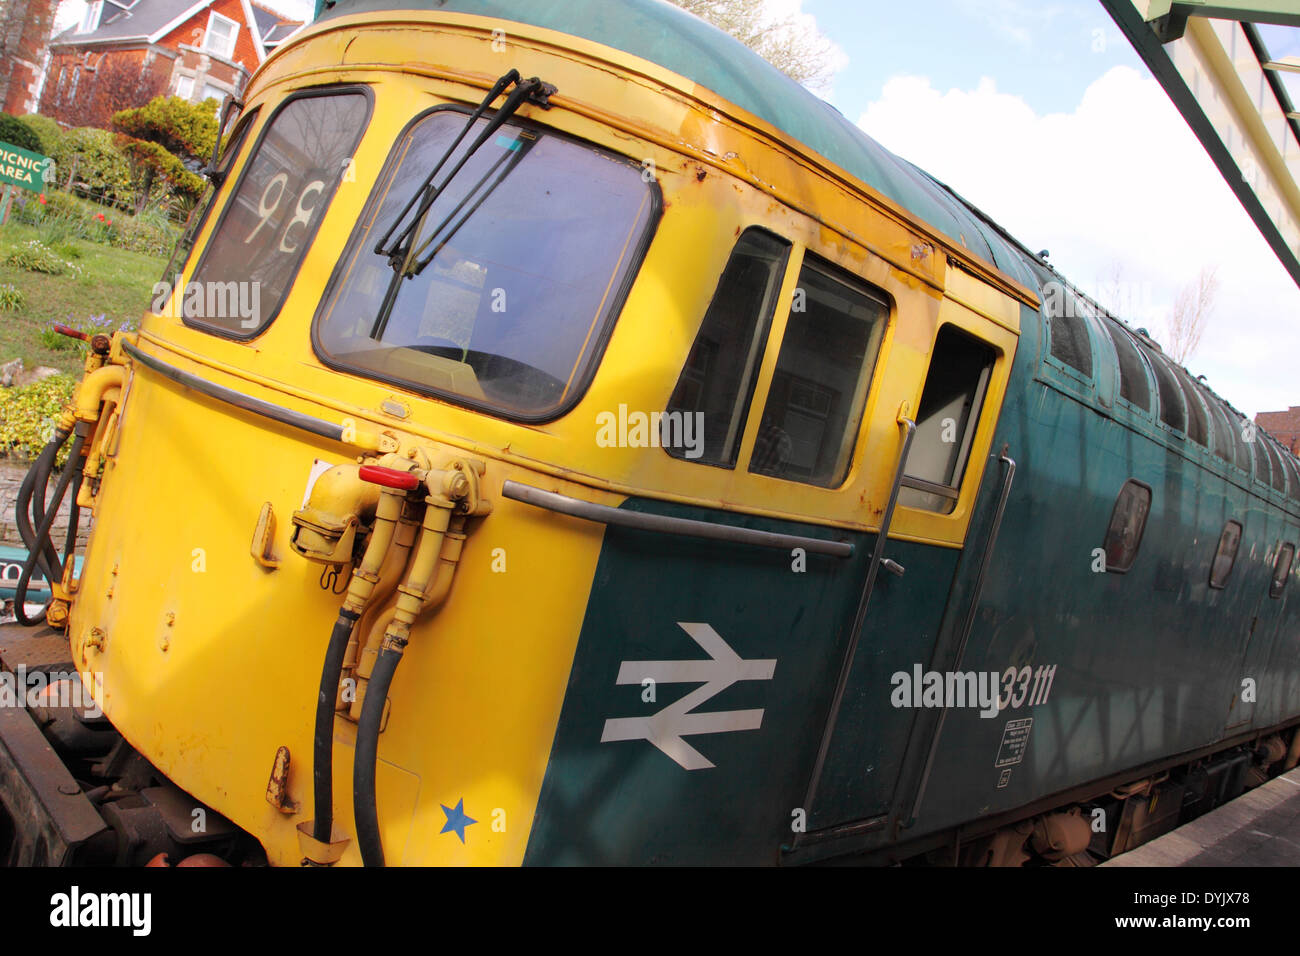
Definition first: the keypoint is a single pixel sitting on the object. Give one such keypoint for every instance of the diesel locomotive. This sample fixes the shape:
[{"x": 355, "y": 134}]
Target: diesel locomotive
[{"x": 559, "y": 438}]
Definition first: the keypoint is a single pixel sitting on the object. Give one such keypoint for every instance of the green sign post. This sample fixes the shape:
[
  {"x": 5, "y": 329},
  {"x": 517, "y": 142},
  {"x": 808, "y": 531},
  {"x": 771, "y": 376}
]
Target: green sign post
[{"x": 22, "y": 168}]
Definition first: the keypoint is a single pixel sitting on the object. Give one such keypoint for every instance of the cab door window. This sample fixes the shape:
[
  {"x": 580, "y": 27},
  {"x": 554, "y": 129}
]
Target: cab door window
[
  {"x": 819, "y": 388},
  {"x": 945, "y": 424},
  {"x": 718, "y": 378}
]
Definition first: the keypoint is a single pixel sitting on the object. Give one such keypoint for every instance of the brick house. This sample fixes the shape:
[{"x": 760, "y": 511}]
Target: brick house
[
  {"x": 24, "y": 32},
  {"x": 125, "y": 52},
  {"x": 1284, "y": 426}
]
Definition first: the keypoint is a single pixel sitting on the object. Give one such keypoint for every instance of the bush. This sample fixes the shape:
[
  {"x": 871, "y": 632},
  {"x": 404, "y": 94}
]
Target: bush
[
  {"x": 90, "y": 156},
  {"x": 28, "y": 414},
  {"x": 16, "y": 133},
  {"x": 139, "y": 234},
  {"x": 186, "y": 129},
  {"x": 11, "y": 297},
  {"x": 46, "y": 130},
  {"x": 151, "y": 162},
  {"x": 62, "y": 217},
  {"x": 36, "y": 256}
]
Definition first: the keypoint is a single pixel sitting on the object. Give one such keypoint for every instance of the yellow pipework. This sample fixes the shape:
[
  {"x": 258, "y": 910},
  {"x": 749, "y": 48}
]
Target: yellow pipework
[
  {"x": 390, "y": 574},
  {"x": 424, "y": 565},
  {"x": 453, "y": 542},
  {"x": 367, "y": 574},
  {"x": 97, "y": 388},
  {"x": 326, "y": 527}
]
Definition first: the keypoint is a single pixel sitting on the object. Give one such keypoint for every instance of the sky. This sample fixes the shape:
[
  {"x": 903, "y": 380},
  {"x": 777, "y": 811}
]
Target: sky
[{"x": 1040, "y": 113}]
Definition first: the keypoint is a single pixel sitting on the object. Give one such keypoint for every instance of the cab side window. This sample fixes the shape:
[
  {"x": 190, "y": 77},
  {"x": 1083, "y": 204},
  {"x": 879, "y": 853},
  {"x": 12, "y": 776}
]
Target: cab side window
[
  {"x": 718, "y": 379},
  {"x": 945, "y": 425},
  {"x": 819, "y": 389}
]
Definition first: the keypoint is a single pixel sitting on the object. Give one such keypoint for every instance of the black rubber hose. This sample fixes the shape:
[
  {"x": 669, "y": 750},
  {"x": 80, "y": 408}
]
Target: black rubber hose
[
  {"x": 49, "y": 554},
  {"x": 70, "y": 469},
  {"x": 323, "y": 751},
  {"x": 31, "y": 504},
  {"x": 38, "y": 474},
  {"x": 363, "y": 770},
  {"x": 74, "y": 520}
]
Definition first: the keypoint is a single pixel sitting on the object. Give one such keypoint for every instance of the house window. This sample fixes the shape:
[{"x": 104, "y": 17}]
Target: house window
[
  {"x": 220, "y": 35},
  {"x": 185, "y": 86},
  {"x": 76, "y": 75},
  {"x": 58, "y": 91},
  {"x": 211, "y": 92},
  {"x": 91, "y": 20}
]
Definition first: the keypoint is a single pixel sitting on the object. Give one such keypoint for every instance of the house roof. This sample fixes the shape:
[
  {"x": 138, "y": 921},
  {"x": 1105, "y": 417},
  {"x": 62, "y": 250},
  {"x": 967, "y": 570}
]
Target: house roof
[
  {"x": 272, "y": 27},
  {"x": 145, "y": 20},
  {"x": 139, "y": 20}
]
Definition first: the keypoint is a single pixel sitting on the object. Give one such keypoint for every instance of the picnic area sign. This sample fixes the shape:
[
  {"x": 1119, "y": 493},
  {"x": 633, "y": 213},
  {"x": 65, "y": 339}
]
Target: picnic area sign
[{"x": 23, "y": 168}]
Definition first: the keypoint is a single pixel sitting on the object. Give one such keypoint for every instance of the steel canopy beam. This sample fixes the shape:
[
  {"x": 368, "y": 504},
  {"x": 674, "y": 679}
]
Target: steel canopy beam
[
  {"x": 1213, "y": 71},
  {"x": 1282, "y": 12}
]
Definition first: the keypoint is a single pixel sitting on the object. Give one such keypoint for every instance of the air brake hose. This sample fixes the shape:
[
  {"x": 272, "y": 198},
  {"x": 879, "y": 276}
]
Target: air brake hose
[
  {"x": 39, "y": 473},
  {"x": 410, "y": 602},
  {"x": 31, "y": 503},
  {"x": 323, "y": 758},
  {"x": 367, "y": 755},
  {"x": 388, "y": 511}
]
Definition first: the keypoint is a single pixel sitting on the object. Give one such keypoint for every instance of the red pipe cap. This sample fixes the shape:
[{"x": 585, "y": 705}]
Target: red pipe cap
[
  {"x": 70, "y": 332},
  {"x": 389, "y": 477}
]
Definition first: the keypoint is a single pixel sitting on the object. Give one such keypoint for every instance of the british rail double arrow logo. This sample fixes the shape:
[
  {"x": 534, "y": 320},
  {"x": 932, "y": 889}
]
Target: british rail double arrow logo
[{"x": 667, "y": 728}]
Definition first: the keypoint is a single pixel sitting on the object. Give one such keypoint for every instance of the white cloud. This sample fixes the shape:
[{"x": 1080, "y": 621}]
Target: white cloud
[
  {"x": 1017, "y": 20},
  {"x": 1121, "y": 182}
]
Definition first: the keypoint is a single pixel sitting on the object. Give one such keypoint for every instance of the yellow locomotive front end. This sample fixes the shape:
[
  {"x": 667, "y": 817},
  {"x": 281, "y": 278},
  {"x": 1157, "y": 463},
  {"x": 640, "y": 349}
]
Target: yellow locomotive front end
[
  {"x": 361, "y": 586},
  {"x": 232, "y": 512}
]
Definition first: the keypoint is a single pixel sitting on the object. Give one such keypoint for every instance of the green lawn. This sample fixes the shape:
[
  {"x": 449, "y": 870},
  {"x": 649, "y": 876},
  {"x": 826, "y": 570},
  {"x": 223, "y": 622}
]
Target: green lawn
[{"x": 114, "y": 282}]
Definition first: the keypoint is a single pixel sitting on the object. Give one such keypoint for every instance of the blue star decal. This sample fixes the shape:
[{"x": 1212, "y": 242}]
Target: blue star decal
[{"x": 457, "y": 820}]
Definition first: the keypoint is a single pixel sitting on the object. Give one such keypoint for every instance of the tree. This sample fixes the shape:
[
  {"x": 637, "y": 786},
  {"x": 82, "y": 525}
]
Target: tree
[
  {"x": 160, "y": 136},
  {"x": 1190, "y": 314},
  {"x": 790, "y": 43},
  {"x": 177, "y": 125}
]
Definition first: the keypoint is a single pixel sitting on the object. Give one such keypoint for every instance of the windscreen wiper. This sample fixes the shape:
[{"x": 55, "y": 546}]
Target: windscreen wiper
[{"x": 399, "y": 249}]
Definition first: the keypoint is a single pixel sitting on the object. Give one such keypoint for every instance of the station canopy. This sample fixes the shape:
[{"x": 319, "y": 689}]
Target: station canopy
[{"x": 1232, "y": 68}]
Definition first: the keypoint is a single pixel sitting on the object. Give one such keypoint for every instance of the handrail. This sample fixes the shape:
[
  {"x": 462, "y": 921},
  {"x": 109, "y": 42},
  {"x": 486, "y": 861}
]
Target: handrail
[
  {"x": 286, "y": 416},
  {"x": 664, "y": 524},
  {"x": 969, "y": 622},
  {"x": 868, "y": 585}
]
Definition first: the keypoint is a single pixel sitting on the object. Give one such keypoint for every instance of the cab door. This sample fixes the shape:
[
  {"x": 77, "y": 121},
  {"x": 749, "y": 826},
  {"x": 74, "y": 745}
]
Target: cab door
[{"x": 945, "y": 409}]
